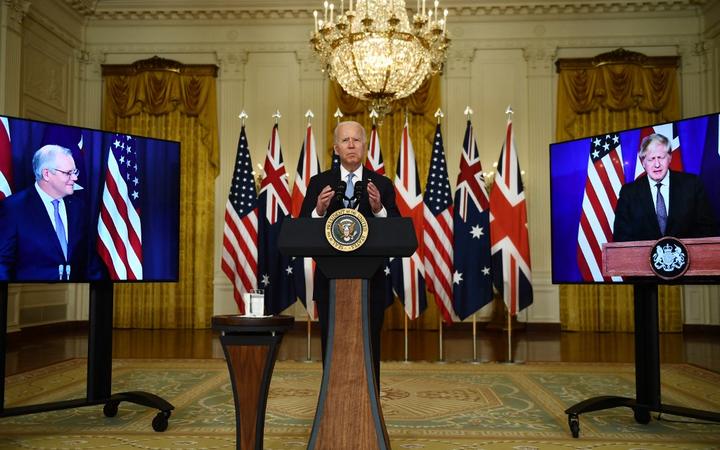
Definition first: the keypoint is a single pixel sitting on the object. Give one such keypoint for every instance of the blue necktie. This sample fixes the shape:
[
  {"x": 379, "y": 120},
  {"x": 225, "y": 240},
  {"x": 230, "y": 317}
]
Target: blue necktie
[
  {"x": 349, "y": 189},
  {"x": 60, "y": 228},
  {"x": 660, "y": 210}
]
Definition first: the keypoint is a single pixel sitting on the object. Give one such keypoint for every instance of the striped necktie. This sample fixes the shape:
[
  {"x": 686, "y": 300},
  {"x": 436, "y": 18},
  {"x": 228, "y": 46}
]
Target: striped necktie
[
  {"x": 660, "y": 209},
  {"x": 60, "y": 228}
]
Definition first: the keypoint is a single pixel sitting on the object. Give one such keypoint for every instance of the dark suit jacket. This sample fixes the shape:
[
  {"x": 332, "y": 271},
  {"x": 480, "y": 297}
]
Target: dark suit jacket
[
  {"x": 387, "y": 195},
  {"x": 690, "y": 212},
  {"x": 29, "y": 247}
]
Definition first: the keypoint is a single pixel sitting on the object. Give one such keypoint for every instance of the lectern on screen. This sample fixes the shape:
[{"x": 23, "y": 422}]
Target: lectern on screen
[
  {"x": 123, "y": 213},
  {"x": 584, "y": 179}
]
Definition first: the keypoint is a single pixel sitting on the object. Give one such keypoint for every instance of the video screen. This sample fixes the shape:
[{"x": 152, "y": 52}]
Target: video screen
[
  {"x": 80, "y": 205},
  {"x": 587, "y": 175}
]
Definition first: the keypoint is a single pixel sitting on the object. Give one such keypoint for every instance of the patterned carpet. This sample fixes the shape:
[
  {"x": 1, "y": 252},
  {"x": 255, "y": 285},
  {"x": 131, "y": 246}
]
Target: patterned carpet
[{"x": 426, "y": 406}]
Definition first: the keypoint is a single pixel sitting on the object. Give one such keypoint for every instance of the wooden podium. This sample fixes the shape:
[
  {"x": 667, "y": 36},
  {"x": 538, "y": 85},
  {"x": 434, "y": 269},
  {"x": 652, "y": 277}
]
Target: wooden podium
[
  {"x": 348, "y": 413},
  {"x": 632, "y": 260}
]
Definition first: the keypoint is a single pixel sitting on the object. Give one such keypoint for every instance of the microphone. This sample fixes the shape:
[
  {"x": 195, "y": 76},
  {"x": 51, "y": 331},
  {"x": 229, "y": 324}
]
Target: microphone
[
  {"x": 340, "y": 191},
  {"x": 67, "y": 272},
  {"x": 61, "y": 268},
  {"x": 359, "y": 192}
]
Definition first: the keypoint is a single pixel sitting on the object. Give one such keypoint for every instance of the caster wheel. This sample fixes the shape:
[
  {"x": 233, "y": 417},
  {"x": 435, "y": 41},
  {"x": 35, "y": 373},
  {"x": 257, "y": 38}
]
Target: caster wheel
[
  {"x": 574, "y": 424},
  {"x": 160, "y": 422},
  {"x": 110, "y": 409},
  {"x": 642, "y": 416}
]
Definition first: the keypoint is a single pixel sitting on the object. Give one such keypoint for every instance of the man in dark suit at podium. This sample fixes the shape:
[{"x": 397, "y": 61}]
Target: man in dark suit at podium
[
  {"x": 43, "y": 229},
  {"x": 663, "y": 203},
  {"x": 379, "y": 201}
]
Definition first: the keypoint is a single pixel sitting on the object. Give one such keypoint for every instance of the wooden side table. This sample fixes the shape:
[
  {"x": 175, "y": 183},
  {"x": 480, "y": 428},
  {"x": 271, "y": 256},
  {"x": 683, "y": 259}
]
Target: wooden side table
[{"x": 251, "y": 345}]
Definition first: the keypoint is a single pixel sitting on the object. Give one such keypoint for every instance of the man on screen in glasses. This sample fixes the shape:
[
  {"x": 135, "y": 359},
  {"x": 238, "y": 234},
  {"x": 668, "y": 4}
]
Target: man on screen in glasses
[
  {"x": 43, "y": 228},
  {"x": 663, "y": 203}
]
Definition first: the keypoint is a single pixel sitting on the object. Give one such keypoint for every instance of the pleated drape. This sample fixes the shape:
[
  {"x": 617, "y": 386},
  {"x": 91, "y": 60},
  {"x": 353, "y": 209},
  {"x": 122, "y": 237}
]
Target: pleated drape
[
  {"x": 420, "y": 109},
  {"x": 612, "y": 92},
  {"x": 167, "y": 100}
]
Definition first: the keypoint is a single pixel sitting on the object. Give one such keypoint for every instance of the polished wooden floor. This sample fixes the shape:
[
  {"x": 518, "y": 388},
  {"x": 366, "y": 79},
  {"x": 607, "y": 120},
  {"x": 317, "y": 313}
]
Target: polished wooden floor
[{"x": 32, "y": 349}]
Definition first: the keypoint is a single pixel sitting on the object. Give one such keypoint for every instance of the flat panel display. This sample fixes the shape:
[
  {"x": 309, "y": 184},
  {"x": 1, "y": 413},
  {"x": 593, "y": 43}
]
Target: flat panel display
[
  {"x": 587, "y": 175},
  {"x": 117, "y": 211}
]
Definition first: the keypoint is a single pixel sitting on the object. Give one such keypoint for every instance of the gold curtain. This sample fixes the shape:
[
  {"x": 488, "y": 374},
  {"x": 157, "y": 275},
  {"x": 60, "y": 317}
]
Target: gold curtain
[
  {"x": 420, "y": 108},
  {"x": 614, "y": 91},
  {"x": 165, "y": 99}
]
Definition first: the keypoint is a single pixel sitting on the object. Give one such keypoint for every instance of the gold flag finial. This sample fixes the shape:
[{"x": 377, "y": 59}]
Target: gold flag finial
[
  {"x": 243, "y": 115},
  {"x": 468, "y": 112},
  {"x": 338, "y": 115}
]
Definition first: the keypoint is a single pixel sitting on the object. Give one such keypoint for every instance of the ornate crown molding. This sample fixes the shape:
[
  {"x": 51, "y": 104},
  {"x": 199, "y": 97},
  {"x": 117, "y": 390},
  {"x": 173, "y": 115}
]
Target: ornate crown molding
[
  {"x": 618, "y": 56},
  {"x": 296, "y": 9},
  {"x": 17, "y": 10},
  {"x": 156, "y": 64}
]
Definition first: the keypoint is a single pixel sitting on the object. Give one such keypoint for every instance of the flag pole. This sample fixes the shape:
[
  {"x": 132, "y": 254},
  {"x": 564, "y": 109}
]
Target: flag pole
[
  {"x": 509, "y": 328},
  {"x": 309, "y": 322},
  {"x": 440, "y": 338},
  {"x": 405, "y": 327},
  {"x": 474, "y": 338}
]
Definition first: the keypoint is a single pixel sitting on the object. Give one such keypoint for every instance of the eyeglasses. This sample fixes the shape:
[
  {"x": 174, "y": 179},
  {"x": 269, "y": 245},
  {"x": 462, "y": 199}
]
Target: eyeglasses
[{"x": 68, "y": 173}]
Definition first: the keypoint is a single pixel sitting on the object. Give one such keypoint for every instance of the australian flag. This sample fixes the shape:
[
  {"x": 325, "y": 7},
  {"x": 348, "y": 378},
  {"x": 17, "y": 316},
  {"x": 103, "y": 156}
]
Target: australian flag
[
  {"x": 472, "y": 280},
  {"x": 274, "y": 269}
]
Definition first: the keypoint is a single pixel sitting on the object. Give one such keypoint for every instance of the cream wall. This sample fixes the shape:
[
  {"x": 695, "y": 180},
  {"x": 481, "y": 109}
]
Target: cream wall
[{"x": 501, "y": 54}]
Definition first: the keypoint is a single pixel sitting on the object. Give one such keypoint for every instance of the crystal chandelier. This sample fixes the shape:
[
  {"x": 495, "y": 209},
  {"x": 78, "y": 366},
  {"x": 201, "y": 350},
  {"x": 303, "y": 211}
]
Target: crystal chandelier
[{"x": 372, "y": 51}]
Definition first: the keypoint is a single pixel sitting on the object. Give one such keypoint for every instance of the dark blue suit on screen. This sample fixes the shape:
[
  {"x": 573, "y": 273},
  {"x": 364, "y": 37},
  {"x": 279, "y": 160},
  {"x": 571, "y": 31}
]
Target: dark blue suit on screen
[{"x": 29, "y": 247}]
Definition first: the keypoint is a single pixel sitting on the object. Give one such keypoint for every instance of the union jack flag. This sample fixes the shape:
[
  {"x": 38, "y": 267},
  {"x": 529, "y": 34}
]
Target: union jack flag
[
  {"x": 374, "y": 159},
  {"x": 605, "y": 177},
  {"x": 274, "y": 204},
  {"x": 510, "y": 245},
  {"x": 472, "y": 278},
  {"x": 304, "y": 268},
  {"x": 670, "y": 131},
  {"x": 240, "y": 252},
  {"x": 6, "y": 180},
  {"x": 119, "y": 230},
  {"x": 438, "y": 231},
  {"x": 408, "y": 274}
]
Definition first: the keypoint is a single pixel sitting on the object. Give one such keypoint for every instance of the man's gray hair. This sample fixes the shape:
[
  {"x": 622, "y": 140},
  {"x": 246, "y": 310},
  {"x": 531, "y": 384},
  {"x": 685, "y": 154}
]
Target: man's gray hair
[
  {"x": 46, "y": 158},
  {"x": 335, "y": 133},
  {"x": 655, "y": 137}
]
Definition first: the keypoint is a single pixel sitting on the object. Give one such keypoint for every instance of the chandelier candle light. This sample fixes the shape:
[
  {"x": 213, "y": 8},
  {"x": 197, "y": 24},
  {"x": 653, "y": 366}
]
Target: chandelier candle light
[{"x": 371, "y": 50}]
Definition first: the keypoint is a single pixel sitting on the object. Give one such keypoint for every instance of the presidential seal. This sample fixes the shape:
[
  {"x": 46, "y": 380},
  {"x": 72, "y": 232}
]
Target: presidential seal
[
  {"x": 669, "y": 258},
  {"x": 346, "y": 229}
]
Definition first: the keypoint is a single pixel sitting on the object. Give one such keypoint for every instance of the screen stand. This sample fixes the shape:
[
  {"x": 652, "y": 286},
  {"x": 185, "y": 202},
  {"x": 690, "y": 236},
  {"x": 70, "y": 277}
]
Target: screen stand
[
  {"x": 647, "y": 371},
  {"x": 99, "y": 370}
]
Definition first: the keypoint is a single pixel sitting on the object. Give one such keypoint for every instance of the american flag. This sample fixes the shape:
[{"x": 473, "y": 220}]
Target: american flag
[
  {"x": 510, "y": 245},
  {"x": 472, "y": 278},
  {"x": 119, "y": 231},
  {"x": 374, "y": 159},
  {"x": 605, "y": 177},
  {"x": 5, "y": 159},
  {"x": 240, "y": 253},
  {"x": 408, "y": 274},
  {"x": 438, "y": 231},
  {"x": 670, "y": 131},
  {"x": 304, "y": 268},
  {"x": 275, "y": 270}
]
